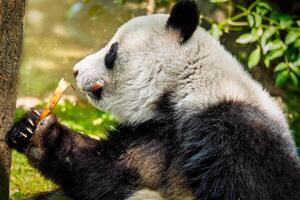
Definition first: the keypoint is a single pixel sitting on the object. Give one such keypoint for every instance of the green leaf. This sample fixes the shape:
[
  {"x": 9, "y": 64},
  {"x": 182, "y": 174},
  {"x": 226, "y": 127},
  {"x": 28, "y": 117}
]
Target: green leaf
[
  {"x": 294, "y": 79},
  {"x": 295, "y": 69},
  {"x": 242, "y": 8},
  {"x": 254, "y": 58},
  {"x": 297, "y": 43},
  {"x": 275, "y": 54},
  {"x": 217, "y": 1},
  {"x": 262, "y": 11},
  {"x": 215, "y": 31},
  {"x": 298, "y": 22},
  {"x": 263, "y": 8},
  {"x": 258, "y": 20},
  {"x": 281, "y": 78},
  {"x": 246, "y": 38},
  {"x": 254, "y": 32},
  {"x": 272, "y": 55},
  {"x": 267, "y": 62},
  {"x": 267, "y": 34},
  {"x": 265, "y": 5},
  {"x": 285, "y": 21},
  {"x": 291, "y": 37},
  {"x": 250, "y": 19},
  {"x": 296, "y": 62},
  {"x": 281, "y": 66},
  {"x": 272, "y": 45}
]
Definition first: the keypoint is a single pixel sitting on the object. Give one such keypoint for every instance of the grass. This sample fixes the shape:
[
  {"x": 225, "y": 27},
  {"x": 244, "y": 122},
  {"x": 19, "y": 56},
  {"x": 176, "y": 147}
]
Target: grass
[{"x": 27, "y": 181}]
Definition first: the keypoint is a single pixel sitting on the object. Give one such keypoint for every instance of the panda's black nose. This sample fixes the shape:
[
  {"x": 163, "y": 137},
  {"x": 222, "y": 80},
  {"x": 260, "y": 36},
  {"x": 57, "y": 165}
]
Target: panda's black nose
[{"x": 75, "y": 73}]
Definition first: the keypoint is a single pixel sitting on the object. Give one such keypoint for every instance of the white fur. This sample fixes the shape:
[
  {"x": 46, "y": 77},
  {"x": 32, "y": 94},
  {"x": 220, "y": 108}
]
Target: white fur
[
  {"x": 146, "y": 194},
  {"x": 151, "y": 61}
]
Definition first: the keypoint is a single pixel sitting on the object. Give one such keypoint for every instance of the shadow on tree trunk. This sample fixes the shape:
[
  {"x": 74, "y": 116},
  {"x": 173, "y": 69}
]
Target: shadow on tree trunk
[{"x": 5, "y": 179}]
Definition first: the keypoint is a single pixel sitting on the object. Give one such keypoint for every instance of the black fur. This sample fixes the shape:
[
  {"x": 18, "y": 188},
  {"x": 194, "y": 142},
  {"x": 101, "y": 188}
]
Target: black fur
[
  {"x": 184, "y": 17},
  {"x": 233, "y": 151},
  {"x": 86, "y": 173},
  {"x": 165, "y": 106},
  {"x": 50, "y": 195},
  {"x": 111, "y": 56},
  {"x": 230, "y": 151},
  {"x": 19, "y": 136}
]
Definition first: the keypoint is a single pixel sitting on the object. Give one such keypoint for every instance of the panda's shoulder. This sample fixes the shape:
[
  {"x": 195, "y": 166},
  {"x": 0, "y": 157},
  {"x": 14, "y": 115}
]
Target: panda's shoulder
[{"x": 238, "y": 124}]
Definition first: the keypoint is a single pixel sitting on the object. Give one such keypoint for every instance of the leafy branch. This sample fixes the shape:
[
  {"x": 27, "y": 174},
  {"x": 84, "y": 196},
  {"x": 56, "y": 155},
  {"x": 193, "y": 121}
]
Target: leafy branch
[{"x": 275, "y": 37}]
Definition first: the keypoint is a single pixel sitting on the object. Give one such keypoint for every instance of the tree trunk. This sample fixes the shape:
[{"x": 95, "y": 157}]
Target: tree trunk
[{"x": 11, "y": 37}]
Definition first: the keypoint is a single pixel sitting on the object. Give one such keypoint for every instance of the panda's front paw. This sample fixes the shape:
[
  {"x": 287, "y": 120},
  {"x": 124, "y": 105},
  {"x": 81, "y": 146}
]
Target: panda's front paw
[{"x": 19, "y": 136}]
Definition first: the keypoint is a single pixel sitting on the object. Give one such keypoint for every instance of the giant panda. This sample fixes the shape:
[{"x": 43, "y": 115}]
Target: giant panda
[{"x": 193, "y": 124}]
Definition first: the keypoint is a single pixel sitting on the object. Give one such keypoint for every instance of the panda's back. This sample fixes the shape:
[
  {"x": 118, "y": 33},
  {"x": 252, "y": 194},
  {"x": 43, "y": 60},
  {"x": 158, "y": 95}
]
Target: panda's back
[{"x": 235, "y": 151}]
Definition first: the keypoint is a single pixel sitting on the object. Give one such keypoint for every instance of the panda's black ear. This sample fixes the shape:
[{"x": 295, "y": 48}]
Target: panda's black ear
[{"x": 184, "y": 18}]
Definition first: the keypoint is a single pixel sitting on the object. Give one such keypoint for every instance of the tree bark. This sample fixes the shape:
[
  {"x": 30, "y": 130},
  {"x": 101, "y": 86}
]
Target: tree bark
[{"x": 11, "y": 37}]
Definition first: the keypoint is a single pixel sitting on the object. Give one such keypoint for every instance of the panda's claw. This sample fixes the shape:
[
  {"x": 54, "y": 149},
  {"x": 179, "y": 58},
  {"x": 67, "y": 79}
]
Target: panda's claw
[
  {"x": 31, "y": 123},
  {"x": 23, "y": 134},
  {"x": 29, "y": 130},
  {"x": 37, "y": 112}
]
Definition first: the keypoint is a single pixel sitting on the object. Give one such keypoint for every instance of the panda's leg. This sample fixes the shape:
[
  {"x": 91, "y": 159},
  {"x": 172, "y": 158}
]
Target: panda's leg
[{"x": 84, "y": 168}]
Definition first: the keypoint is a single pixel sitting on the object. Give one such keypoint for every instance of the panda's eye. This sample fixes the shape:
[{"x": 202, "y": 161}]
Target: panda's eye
[{"x": 111, "y": 56}]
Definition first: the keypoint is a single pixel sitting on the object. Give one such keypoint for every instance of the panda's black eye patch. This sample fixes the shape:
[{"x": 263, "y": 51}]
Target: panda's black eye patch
[{"x": 111, "y": 56}]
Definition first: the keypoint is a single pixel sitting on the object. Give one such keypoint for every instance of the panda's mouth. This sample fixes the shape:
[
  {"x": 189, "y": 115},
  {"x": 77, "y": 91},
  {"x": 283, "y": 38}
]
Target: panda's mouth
[{"x": 95, "y": 92}]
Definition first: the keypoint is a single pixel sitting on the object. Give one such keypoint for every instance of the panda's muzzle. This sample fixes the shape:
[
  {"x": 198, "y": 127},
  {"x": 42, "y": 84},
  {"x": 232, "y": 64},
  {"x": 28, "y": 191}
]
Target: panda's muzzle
[{"x": 97, "y": 89}]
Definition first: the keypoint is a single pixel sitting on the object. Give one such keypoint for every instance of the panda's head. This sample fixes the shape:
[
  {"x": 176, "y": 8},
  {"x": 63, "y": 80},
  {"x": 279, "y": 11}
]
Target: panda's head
[
  {"x": 129, "y": 74},
  {"x": 151, "y": 56}
]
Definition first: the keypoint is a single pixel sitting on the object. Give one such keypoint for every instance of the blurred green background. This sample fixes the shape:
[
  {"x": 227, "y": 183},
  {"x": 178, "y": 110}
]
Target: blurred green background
[{"x": 263, "y": 35}]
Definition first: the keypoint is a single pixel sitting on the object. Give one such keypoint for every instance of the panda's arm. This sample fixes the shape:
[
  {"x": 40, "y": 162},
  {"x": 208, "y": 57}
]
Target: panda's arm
[
  {"x": 233, "y": 152},
  {"x": 83, "y": 167}
]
